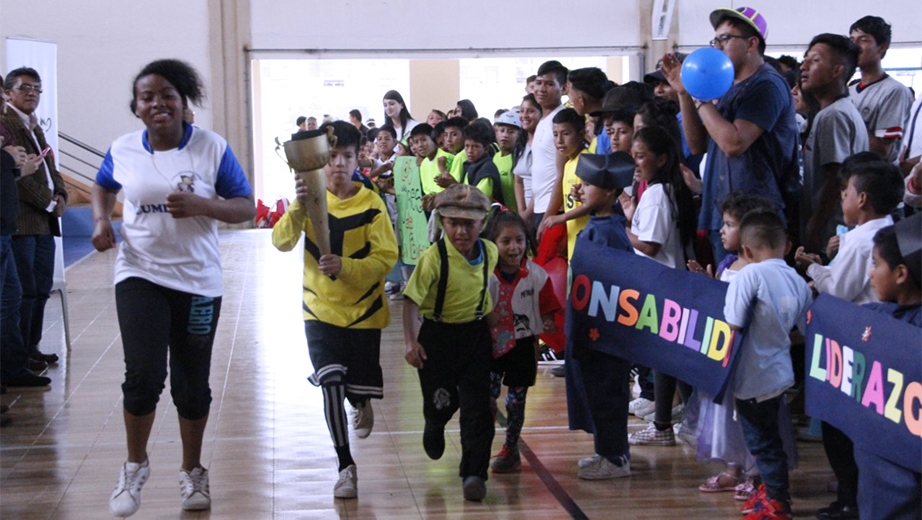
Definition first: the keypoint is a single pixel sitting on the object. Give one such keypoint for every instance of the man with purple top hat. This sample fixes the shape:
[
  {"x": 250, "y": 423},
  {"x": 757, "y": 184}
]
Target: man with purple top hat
[{"x": 749, "y": 134}]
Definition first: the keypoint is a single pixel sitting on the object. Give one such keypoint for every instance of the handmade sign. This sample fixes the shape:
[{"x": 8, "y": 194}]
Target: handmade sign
[
  {"x": 411, "y": 221},
  {"x": 864, "y": 376},
  {"x": 633, "y": 307}
]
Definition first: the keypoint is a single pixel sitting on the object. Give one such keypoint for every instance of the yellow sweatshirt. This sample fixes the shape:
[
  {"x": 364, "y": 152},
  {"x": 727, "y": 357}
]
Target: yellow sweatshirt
[{"x": 361, "y": 233}]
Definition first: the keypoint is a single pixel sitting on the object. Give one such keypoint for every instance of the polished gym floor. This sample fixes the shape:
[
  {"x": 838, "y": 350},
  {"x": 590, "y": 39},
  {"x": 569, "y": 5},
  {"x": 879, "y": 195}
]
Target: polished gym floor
[{"x": 267, "y": 447}]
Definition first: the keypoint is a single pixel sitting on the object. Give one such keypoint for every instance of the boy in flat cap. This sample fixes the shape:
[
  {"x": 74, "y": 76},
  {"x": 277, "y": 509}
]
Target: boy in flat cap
[{"x": 453, "y": 348}]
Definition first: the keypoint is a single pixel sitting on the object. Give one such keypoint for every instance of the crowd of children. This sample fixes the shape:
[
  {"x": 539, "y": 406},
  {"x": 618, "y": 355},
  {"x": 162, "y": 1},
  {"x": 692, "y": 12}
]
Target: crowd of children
[{"x": 622, "y": 167}]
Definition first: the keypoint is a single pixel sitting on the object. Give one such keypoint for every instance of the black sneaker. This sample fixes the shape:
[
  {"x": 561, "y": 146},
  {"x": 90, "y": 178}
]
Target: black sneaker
[
  {"x": 837, "y": 511},
  {"x": 475, "y": 489},
  {"x": 47, "y": 358},
  {"x": 37, "y": 365},
  {"x": 434, "y": 441},
  {"x": 547, "y": 356},
  {"x": 559, "y": 371},
  {"x": 27, "y": 379}
]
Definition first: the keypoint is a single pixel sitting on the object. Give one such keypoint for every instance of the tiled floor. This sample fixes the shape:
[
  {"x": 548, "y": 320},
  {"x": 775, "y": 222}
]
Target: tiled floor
[{"x": 267, "y": 446}]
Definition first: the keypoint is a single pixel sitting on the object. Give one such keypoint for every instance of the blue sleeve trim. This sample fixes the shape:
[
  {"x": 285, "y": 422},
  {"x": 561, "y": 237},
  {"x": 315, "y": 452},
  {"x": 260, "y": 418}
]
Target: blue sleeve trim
[
  {"x": 231, "y": 181},
  {"x": 105, "y": 177}
]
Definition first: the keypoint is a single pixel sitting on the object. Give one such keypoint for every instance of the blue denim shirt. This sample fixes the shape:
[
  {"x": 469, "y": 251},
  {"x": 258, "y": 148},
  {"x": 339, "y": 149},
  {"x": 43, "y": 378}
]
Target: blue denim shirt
[{"x": 770, "y": 166}]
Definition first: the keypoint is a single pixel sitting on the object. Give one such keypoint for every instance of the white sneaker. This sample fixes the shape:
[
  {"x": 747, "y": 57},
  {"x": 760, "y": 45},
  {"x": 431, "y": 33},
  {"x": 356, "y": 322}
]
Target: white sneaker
[
  {"x": 196, "y": 496},
  {"x": 363, "y": 419},
  {"x": 588, "y": 461},
  {"x": 643, "y": 411},
  {"x": 126, "y": 499},
  {"x": 603, "y": 469},
  {"x": 638, "y": 404},
  {"x": 347, "y": 485}
]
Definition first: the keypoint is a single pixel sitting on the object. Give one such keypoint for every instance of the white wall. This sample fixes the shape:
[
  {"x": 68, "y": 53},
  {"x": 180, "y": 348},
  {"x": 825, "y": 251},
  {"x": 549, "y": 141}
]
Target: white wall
[
  {"x": 102, "y": 45},
  {"x": 431, "y": 24},
  {"x": 794, "y": 23}
]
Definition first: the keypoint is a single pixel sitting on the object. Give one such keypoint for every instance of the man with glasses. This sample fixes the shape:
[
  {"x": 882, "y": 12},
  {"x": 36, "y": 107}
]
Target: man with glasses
[
  {"x": 749, "y": 134},
  {"x": 42, "y": 199}
]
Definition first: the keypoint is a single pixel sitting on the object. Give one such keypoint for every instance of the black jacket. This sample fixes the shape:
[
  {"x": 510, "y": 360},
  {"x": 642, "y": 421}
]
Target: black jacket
[
  {"x": 9, "y": 194},
  {"x": 473, "y": 173}
]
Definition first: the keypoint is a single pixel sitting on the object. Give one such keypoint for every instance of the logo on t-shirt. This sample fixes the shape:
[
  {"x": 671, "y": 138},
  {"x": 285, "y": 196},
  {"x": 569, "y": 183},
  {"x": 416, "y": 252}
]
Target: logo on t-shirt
[{"x": 185, "y": 181}]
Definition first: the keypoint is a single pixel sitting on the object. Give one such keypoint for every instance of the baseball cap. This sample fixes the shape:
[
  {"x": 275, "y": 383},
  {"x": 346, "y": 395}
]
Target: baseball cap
[
  {"x": 510, "y": 118},
  {"x": 608, "y": 172},
  {"x": 462, "y": 201},
  {"x": 746, "y": 14}
]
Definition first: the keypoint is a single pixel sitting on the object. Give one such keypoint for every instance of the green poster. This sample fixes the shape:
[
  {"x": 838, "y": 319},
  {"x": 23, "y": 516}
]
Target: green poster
[{"x": 411, "y": 221}]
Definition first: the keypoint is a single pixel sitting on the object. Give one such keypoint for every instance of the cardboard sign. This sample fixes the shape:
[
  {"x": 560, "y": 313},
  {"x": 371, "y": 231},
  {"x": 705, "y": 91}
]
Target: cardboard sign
[
  {"x": 635, "y": 308},
  {"x": 411, "y": 220},
  {"x": 864, "y": 376}
]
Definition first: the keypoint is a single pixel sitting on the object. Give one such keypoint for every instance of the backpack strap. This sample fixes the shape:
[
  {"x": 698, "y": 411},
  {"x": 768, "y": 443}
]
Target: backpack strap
[
  {"x": 486, "y": 277},
  {"x": 443, "y": 280}
]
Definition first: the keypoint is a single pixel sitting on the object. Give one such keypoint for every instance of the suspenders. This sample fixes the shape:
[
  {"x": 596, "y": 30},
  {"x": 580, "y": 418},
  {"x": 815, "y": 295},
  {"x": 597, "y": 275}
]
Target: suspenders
[{"x": 443, "y": 281}]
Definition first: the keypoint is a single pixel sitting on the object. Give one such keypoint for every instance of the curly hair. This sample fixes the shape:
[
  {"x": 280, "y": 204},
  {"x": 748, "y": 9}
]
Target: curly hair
[{"x": 184, "y": 78}]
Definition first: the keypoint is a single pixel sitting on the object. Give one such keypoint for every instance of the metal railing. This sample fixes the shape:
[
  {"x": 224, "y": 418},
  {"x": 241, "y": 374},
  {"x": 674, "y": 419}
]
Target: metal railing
[
  {"x": 81, "y": 144},
  {"x": 74, "y": 162}
]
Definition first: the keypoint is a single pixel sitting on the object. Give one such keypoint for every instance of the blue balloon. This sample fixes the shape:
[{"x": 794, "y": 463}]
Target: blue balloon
[{"x": 707, "y": 74}]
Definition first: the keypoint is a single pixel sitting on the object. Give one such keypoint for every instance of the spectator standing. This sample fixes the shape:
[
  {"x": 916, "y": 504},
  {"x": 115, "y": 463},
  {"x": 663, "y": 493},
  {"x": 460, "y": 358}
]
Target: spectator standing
[
  {"x": 882, "y": 101},
  {"x": 550, "y": 85},
  {"x": 42, "y": 199},
  {"x": 750, "y": 134},
  {"x": 355, "y": 117},
  {"x": 837, "y": 133}
]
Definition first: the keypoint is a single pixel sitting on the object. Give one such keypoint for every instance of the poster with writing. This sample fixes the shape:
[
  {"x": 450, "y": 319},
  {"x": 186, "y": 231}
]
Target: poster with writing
[
  {"x": 411, "y": 221},
  {"x": 635, "y": 308},
  {"x": 864, "y": 376}
]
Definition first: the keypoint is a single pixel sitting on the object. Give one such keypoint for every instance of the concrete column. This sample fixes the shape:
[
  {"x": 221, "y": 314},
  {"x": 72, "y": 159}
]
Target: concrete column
[
  {"x": 229, "y": 29},
  {"x": 654, "y": 50},
  {"x": 433, "y": 84}
]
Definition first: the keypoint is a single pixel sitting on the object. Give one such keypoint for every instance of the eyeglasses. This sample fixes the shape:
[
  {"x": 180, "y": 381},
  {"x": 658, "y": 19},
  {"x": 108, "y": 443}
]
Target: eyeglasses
[
  {"x": 29, "y": 88},
  {"x": 724, "y": 38}
]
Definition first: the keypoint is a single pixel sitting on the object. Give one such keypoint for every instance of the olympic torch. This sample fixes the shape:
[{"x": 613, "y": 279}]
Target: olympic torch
[{"x": 307, "y": 153}]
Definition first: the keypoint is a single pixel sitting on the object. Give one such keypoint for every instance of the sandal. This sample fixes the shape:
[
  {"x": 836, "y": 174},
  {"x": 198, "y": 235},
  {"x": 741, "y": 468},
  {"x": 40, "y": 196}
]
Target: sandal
[
  {"x": 718, "y": 483},
  {"x": 747, "y": 488}
]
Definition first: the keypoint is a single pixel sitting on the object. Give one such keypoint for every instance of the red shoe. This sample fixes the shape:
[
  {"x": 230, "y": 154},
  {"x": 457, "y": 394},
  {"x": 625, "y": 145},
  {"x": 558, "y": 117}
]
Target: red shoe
[
  {"x": 770, "y": 510},
  {"x": 507, "y": 461},
  {"x": 754, "y": 500}
]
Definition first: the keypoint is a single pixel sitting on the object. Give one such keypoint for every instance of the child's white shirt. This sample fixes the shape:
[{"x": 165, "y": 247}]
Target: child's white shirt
[
  {"x": 654, "y": 222},
  {"x": 846, "y": 276}
]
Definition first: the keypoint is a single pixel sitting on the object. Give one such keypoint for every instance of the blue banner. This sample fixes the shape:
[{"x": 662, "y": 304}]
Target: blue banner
[
  {"x": 864, "y": 376},
  {"x": 635, "y": 308}
]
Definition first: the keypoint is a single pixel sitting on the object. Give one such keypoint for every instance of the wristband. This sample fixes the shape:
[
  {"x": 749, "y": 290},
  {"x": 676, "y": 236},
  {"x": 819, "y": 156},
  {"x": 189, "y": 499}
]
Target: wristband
[{"x": 98, "y": 219}]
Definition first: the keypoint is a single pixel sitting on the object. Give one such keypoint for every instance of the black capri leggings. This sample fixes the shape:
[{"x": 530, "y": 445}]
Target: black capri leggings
[{"x": 153, "y": 319}]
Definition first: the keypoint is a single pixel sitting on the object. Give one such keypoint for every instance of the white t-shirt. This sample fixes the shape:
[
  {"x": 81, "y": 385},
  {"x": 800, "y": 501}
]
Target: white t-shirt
[
  {"x": 654, "y": 222},
  {"x": 523, "y": 169},
  {"x": 544, "y": 161},
  {"x": 180, "y": 254},
  {"x": 406, "y": 131},
  {"x": 883, "y": 106}
]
